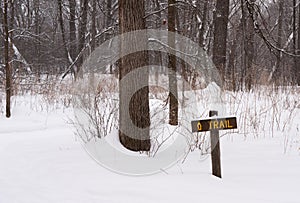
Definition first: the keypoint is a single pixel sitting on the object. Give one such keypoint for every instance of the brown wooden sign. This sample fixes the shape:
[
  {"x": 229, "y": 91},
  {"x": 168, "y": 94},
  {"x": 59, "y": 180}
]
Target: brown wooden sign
[{"x": 214, "y": 124}]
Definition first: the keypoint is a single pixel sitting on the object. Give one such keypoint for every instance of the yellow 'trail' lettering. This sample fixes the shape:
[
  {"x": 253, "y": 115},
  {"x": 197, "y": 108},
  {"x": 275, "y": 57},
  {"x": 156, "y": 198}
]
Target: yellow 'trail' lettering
[
  {"x": 228, "y": 124},
  {"x": 222, "y": 124},
  {"x": 199, "y": 126},
  {"x": 216, "y": 124}
]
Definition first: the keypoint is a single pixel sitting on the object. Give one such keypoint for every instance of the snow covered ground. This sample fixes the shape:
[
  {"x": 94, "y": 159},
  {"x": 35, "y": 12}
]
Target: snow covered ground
[{"x": 41, "y": 160}]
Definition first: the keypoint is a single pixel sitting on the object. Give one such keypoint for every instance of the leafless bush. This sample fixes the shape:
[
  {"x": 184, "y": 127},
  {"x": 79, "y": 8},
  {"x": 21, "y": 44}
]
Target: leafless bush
[{"x": 96, "y": 108}]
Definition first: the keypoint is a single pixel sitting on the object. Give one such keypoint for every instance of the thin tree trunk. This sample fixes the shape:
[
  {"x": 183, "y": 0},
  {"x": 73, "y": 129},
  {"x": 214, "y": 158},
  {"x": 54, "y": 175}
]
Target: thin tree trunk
[
  {"x": 11, "y": 40},
  {"x": 108, "y": 17},
  {"x": 82, "y": 30},
  {"x": 277, "y": 77},
  {"x": 231, "y": 63},
  {"x": 6, "y": 58},
  {"x": 37, "y": 33},
  {"x": 249, "y": 52},
  {"x": 298, "y": 50},
  {"x": 28, "y": 14},
  {"x": 294, "y": 72},
  {"x": 108, "y": 22},
  {"x": 173, "y": 92},
  {"x": 62, "y": 28},
  {"x": 72, "y": 34},
  {"x": 204, "y": 24},
  {"x": 294, "y": 27},
  {"x": 157, "y": 56},
  {"x": 131, "y": 18},
  {"x": 93, "y": 27},
  {"x": 243, "y": 47}
]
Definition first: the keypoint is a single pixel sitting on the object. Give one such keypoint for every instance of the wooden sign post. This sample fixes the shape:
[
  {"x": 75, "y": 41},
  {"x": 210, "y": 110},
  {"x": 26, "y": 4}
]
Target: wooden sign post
[{"x": 214, "y": 125}]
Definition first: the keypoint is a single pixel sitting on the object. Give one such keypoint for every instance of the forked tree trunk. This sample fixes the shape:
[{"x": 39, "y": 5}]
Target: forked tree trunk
[{"x": 131, "y": 18}]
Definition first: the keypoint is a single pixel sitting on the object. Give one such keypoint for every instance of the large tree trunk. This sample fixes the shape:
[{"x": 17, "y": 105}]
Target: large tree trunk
[
  {"x": 220, "y": 36},
  {"x": 173, "y": 92},
  {"x": 6, "y": 58},
  {"x": 131, "y": 18}
]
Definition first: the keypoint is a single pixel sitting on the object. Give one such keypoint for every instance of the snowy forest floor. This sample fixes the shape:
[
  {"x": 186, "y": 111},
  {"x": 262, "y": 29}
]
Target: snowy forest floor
[{"x": 42, "y": 160}]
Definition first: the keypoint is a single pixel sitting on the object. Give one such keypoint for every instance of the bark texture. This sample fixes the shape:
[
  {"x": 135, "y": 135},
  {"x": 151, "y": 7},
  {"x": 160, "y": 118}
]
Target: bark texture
[
  {"x": 220, "y": 35},
  {"x": 131, "y": 18}
]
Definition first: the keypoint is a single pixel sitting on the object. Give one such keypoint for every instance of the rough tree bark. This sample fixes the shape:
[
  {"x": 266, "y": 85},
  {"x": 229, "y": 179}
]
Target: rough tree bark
[
  {"x": 131, "y": 18},
  {"x": 220, "y": 36}
]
